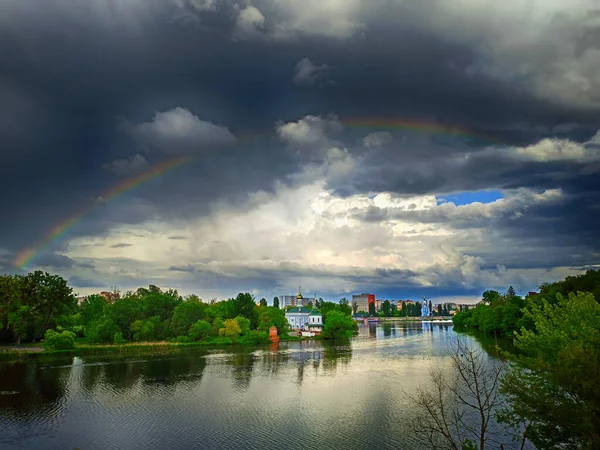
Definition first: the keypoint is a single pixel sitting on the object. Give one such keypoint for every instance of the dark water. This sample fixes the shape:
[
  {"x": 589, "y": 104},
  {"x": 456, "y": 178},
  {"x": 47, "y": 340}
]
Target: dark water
[{"x": 294, "y": 395}]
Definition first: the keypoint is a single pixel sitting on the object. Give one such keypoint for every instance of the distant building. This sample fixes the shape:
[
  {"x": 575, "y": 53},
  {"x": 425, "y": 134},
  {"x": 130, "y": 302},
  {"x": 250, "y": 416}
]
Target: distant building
[
  {"x": 296, "y": 300},
  {"x": 110, "y": 296},
  {"x": 425, "y": 309},
  {"x": 378, "y": 304},
  {"x": 362, "y": 301},
  {"x": 306, "y": 319}
]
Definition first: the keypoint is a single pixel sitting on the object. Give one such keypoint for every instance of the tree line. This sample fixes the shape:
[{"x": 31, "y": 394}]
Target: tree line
[
  {"x": 42, "y": 306},
  {"x": 551, "y": 384}
]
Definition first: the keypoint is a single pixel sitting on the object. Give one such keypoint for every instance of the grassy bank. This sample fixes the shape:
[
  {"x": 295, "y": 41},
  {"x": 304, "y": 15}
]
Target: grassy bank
[{"x": 130, "y": 348}]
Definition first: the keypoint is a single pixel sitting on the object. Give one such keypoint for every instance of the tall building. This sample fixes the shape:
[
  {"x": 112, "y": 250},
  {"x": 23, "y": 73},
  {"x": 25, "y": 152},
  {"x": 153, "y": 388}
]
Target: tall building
[
  {"x": 296, "y": 300},
  {"x": 363, "y": 300}
]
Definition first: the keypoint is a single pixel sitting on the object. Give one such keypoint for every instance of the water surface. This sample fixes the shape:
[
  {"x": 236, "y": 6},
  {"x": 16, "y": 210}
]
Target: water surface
[{"x": 284, "y": 396}]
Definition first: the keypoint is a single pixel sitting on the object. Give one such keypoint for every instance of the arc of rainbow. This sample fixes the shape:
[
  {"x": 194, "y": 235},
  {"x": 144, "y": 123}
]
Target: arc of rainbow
[{"x": 28, "y": 254}]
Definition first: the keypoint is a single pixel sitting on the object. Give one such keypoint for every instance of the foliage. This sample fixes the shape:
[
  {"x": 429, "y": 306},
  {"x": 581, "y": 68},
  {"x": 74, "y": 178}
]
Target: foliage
[
  {"x": 271, "y": 316},
  {"x": 254, "y": 337},
  {"x": 263, "y": 302},
  {"x": 151, "y": 329},
  {"x": 554, "y": 387},
  {"x": 185, "y": 315},
  {"x": 243, "y": 323},
  {"x": 92, "y": 307},
  {"x": 31, "y": 304},
  {"x": 244, "y": 306},
  {"x": 183, "y": 339},
  {"x": 276, "y": 302},
  {"x": 231, "y": 329},
  {"x": 496, "y": 313},
  {"x": 101, "y": 331},
  {"x": 118, "y": 338},
  {"x": 53, "y": 340},
  {"x": 200, "y": 330},
  {"x": 339, "y": 325},
  {"x": 387, "y": 308}
]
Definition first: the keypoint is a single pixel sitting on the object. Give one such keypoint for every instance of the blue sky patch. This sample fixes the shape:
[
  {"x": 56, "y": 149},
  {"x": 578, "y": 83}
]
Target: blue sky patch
[{"x": 467, "y": 197}]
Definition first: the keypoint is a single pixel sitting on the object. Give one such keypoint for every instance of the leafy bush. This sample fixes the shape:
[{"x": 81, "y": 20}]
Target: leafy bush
[
  {"x": 53, "y": 340},
  {"x": 339, "y": 325},
  {"x": 101, "y": 331},
  {"x": 200, "y": 330},
  {"x": 231, "y": 329},
  {"x": 184, "y": 339},
  {"x": 118, "y": 338},
  {"x": 254, "y": 337}
]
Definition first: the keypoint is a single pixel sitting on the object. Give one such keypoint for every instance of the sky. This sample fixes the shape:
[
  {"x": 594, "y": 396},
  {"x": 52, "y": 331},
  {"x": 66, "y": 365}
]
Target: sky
[{"x": 394, "y": 147}]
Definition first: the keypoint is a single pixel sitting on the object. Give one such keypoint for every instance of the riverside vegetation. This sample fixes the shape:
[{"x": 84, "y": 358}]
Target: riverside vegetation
[
  {"x": 551, "y": 385},
  {"x": 40, "y": 306}
]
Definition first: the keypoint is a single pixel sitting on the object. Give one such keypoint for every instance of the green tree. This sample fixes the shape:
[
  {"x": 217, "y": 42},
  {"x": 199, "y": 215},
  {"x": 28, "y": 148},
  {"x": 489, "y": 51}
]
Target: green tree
[
  {"x": 244, "y": 305},
  {"x": 160, "y": 304},
  {"x": 231, "y": 329},
  {"x": 554, "y": 387},
  {"x": 91, "y": 308},
  {"x": 200, "y": 330},
  {"x": 243, "y": 323},
  {"x": 263, "y": 302},
  {"x": 271, "y": 316},
  {"x": 339, "y": 325},
  {"x": 59, "y": 341},
  {"x": 123, "y": 313},
  {"x": 344, "y": 306},
  {"x": 354, "y": 307},
  {"x": 101, "y": 331},
  {"x": 387, "y": 308},
  {"x": 185, "y": 315},
  {"x": 276, "y": 302},
  {"x": 372, "y": 309},
  {"x": 19, "y": 320}
]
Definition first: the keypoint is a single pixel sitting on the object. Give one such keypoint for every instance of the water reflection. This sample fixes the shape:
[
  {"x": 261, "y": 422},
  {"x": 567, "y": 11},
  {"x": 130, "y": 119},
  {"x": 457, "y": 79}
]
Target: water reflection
[{"x": 232, "y": 397}]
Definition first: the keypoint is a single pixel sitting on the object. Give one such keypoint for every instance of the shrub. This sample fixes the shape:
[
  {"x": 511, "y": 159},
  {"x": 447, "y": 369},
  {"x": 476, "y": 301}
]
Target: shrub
[
  {"x": 54, "y": 340},
  {"x": 254, "y": 337},
  {"x": 101, "y": 331},
  {"x": 183, "y": 340},
  {"x": 200, "y": 330},
  {"x": 118, "y": 338}
]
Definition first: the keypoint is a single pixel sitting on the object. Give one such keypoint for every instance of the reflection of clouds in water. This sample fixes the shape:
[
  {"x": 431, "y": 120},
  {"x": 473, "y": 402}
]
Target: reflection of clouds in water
[{"x": 236, "y": 396}]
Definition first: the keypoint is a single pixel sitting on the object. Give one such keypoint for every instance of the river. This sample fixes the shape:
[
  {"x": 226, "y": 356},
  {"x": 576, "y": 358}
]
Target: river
[{"x": 286, "y": 396}]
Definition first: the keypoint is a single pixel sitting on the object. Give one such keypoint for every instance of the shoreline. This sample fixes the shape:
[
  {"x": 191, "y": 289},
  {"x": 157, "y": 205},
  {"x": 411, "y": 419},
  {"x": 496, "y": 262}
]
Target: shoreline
[{"x": 14, "y": 353}]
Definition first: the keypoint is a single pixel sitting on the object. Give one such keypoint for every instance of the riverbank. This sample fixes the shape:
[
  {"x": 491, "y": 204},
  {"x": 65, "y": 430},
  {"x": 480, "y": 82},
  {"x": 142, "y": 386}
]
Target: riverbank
[
  {"x": 10, "y": 353},
  {"x": 416, "y": 319}
]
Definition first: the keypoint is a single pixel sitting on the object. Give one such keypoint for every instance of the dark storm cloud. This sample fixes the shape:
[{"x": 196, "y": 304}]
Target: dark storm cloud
[
  {"x": 120, "y": 245},
  {"x": 79, "y": 282},
  {"x": 72, "y": 76},
  {"x": 55, "y": 261}
]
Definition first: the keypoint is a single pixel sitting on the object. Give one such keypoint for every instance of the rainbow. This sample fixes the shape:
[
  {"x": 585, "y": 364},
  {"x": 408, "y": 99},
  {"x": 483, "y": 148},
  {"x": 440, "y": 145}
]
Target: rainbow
[
  {"x": 420, "y": 127},
  {"x": 28, "y": 254}
]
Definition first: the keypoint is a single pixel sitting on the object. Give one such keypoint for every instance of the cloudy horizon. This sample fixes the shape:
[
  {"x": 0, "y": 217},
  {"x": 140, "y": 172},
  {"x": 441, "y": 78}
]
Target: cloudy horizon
[{"x": 405, "y": 149}]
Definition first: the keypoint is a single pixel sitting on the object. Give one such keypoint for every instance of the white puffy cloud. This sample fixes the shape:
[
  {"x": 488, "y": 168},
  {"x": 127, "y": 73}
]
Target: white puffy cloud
[
  {"x": 377, "y": 139},
  {"x": 249, "y": 22},
  {"x": 549, "y": 150},
  {"x": 127, "y": 166},
  {"x": 308, "y": 73},
  {"x": 309, "y": 131},
  {"x": 178, "y": 130}
]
